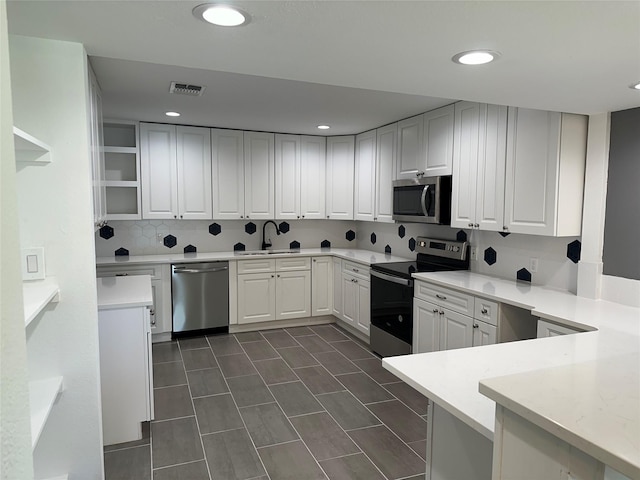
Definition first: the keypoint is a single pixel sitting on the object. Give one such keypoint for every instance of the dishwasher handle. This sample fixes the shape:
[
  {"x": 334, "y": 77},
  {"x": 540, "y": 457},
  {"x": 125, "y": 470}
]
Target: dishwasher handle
[{"x": 195, "y": 270}]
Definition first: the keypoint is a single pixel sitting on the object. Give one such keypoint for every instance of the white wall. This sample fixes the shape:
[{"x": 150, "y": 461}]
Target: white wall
[{"x": 49, "y": 85}]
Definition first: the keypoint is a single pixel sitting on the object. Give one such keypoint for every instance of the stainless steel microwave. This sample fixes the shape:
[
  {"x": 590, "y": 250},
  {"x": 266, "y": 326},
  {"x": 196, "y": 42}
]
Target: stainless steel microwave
[{"x": 423, "y": 200}]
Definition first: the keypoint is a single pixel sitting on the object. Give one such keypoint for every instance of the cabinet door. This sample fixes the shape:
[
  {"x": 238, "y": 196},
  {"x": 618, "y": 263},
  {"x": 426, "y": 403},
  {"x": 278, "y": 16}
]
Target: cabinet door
[
  {"x": 321, "y": 286},
  {"x": 350, "y": 302},
  {"x": 340, "y": 156},
  {"x": 227, "y": 160},
  {"x": 97, "y": 151},
  {"x": 365, "y": 176},
  {"x": 259, "y": 175},
  {"x": 483, "y": 333},
  {"x": 410, "y": 154},
  {"x": 465, "y": 162},
  {"x": 456, "y": 330},
  {"x": 313, "y": 166},
  {"x": 256, "y": 297},
  {"x": 426, "y": 327},
  {"x": 548, "y": 329},
  {"x": 363, "y": 320},
  {"x": 438, "y": 142},
  {"x": 194, "y": 173},
  {"x": 337, "y": 287},
  {"x": 158, "y": 168},
  {"x": 293, "y": 295},
  {"x": 287, "y": 190},
  {"x": 385, "y": 172}
]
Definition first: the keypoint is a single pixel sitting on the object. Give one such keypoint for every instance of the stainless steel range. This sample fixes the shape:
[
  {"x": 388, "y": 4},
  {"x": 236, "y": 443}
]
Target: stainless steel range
[{"x": 391, "y": 330}]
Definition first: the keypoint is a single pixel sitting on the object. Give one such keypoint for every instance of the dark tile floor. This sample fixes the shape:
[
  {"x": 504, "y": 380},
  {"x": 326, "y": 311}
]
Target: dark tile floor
[{"x": 296, "y": 403}]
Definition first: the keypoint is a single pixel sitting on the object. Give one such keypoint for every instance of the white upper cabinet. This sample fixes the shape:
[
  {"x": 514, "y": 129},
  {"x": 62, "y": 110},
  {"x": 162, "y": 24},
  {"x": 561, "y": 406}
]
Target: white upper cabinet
[
  {"x": 227, "y": 160},
  {"x": 410, "y": 154},
  {"x": 545, "y": 165},
  {"x": 259, "y": 195},
  {"x": 194, "y": 173},
  {"x": 478, "y": 166},
  {"x": 365, "y": 176},
  {"x": 313, "y": 167},
  {"x": 96, "y": 153},
  {"x": 340, "y": 165},
  {"x": 437, "y": 158},
  {"x": 287, "y": 161},
  {"x": 159, "y": 169},
  {"x": 385, "y": 171}
]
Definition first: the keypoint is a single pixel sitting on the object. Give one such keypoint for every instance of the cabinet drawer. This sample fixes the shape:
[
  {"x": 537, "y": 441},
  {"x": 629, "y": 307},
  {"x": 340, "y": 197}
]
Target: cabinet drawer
[
  {"x": 118, "y": 270},
  {"x": 356, "y": 269},
  {"x": 257, "y": 266},
  {"x": 290, "y": 264},
  {"x": 487, "y": 311},
  {"x": 456, "y": 301}
]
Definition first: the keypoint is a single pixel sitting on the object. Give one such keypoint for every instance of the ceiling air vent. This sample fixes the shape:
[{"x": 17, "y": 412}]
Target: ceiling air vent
[{"x": 186, "y": 89}]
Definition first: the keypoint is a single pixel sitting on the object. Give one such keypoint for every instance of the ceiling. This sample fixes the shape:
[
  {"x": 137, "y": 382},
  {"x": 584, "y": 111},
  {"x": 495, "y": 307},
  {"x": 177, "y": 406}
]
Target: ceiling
[{"x": 354, "y": 65}]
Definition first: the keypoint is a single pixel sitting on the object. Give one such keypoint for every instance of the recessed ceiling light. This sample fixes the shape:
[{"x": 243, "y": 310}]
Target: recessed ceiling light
[
  {"x": 636, "y": 86},
  {"x": 475, "y": 57},
  {"x": 324, "y": 127},
  {"x": 221, "y": 15},
  {"x": 172, "y": 114}
]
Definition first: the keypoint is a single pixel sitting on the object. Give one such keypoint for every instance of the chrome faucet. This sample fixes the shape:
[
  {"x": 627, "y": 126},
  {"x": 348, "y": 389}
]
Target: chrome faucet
[{"x": 266, "y": 245}]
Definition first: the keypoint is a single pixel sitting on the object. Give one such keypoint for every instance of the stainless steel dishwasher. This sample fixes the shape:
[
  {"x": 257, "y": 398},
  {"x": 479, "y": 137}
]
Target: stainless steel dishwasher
[{"x": 200, "y": 297}]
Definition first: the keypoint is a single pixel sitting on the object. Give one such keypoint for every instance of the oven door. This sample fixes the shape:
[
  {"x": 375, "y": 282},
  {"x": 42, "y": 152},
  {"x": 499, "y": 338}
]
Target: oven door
[{"x": 392, "y": 305}]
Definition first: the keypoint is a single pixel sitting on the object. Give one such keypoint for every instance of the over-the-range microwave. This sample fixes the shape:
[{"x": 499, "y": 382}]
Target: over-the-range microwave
[{"x": 423, "y": 200}]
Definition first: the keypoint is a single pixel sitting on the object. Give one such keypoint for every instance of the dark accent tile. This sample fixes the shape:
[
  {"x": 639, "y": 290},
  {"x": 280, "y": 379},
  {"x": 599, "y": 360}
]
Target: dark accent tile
[
  {"x": 231, "y": 455},
  {"x": 191, "y": 471},
  {"x": 190, "y": 249},
  {"x": 295, "y": 399},
  {"x": 409, "y": 396},
  {"x": 279, "y": 339},
  {"x": 323, "y": 436},
  {"x": 290, "y": 461},
  {"x": 172, "y": 402},
  {"x": 420, "y": 448},
  {"x": 350, "y": 235},
  {"x": 249, "y": 390},
  {"x": 297, "y": 331},
  {"x": 170, "y": 241},
  {"x": 351, "y": 350},
  {"x": 165, "y": 352},
  {"x": 193, "y": 343},
  {"x": 314, "y": 344},
  {"x": 106, "y": 232},
  {"x": 461, "y": 236},
  {"x": 353, "y": 467},
  {"x": 217, "y": 413},
  {"x": 574, "y": 250},
  {"x": 490, "y": 256},
  {"x": 267, "y": 425},
  {"x": 347, "y": 410},
  {"x": 524, "y": 275},
  {"x": 215, "y": 229},
  {"x": 404, "y": 422},
  {"x": 121, "y": 252},
  {"x": 175, "y": 441},
  {"x": 224, "y": 345},
  {"x": 412, "y": 244},
  {"x": 295, "y": 245},
  {"x": 388, "y": 452},
  {"x": 325, "y": 244},
  {"x": 198, "y": 359},
  {"x": 401, "y": 231},
  {"x": 318, "y": 380},
  {"x": 250, "y": 228},
  {"x": 328, "y": 333},
  {"x": 504, "y": 234},
  {"x": 283, "y": 227},
  {"x": 128, "y": 464},
  {"x": 373, "y": 368},
  {"x": 297, "y": 357},
  {"x": 206, "y": 382},
  {"x": 145, "y": 440},
  {"x": 168, "y": 374},
  {"x": 364, "y": 389},
  {"x": 373, "y": 239},
  {"x": 260, "y": 350},
  {"x": 387, "y": 249},
  {"x": 275, "y": 371},
  {"x": 236, "y": 365},
  {"x": 239, "y": 247},
  {"x": 336, "y": 363},
  {"x": 248, "y": 337}
]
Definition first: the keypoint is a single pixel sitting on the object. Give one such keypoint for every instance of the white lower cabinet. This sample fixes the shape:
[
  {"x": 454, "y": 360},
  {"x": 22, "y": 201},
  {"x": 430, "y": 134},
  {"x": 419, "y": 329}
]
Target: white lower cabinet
[
  {"x": 321, "y": 286},
  {"x": 456, "y": 330},
  {"x": 338, "y": 304},
  {"x": 549, "y": 329},
  {"x": 356, "y": 296},
  {"x": 484, "y": 333},
  {"x": 293, "y": 295},
  {"x": 256, "y": 297}
]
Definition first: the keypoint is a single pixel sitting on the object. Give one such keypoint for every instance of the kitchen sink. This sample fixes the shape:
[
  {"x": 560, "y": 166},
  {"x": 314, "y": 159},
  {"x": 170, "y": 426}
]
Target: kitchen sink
[{"x": 267, "y": 252}]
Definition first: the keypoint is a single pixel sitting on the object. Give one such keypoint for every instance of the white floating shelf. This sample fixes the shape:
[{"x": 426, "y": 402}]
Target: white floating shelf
[
  {"x": 42, "y": 396},
  {"x": 36, "y": 295},
  {"x": 132, "y": 150},
  {"x": 60, "y": 477},
  {"x": 29, "y": 149},
  {"x": 122, "y": 183}
]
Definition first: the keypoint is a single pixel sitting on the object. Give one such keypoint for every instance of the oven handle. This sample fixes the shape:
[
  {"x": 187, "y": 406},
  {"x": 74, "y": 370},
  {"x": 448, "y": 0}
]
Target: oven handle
[{"x": 391, "y": 278}]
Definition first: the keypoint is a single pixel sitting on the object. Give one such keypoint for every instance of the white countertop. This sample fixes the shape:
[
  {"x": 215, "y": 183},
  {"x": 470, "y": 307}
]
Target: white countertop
[
  {"x": 124, "y": 292},
  {"x": 541, "y": 383},
  {"x": 360, "y": 256}
]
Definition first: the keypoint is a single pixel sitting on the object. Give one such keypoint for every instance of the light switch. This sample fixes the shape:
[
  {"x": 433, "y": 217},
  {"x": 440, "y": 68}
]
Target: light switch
[{"x": 33, "y": 263}]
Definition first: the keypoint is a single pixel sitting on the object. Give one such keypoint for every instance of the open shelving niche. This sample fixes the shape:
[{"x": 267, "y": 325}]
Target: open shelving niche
[
  {"x": 29, "y": 149},
  {"x": 122, "y": 170}
]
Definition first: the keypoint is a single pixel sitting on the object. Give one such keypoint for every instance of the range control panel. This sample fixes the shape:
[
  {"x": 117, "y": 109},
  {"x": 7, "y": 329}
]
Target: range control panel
[{"x": 442, "y": 248}]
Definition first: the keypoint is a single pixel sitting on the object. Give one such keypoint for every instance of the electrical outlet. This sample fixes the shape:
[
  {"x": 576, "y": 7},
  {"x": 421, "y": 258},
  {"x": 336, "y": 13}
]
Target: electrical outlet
[
  {"x": 533, "y": 264},
  {"x": 474, "y": 253},
  {"x": 159, "y": 237}
]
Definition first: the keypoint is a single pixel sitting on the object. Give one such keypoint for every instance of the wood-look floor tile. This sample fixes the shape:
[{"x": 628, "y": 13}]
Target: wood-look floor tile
[
  {"x": 314, "y": 344},
  {"x": 192, "y": 343},
  {"x": 336, "y": 363},
  {"x": 165, "y": 352},
  {"x": 353, "y": 467},
  {"x": 168, "y": 374},
  {"x": 323, "y": 436},
  {"x": 217, "y": 413},
  {"x": 267, "y": 425},
  {"x": 409, "y": 396},
  {"x": 329, "y": 333},
  {"x": 295, "y": 399},
  {"x": 198, "y": 359},
  {"x": 249, "y": 390},
  {"x": 347, "y": 410},
  {"x": 260, "y": 350},
  {"x": 175, "y": 441},
  {"x": 318, "y": 380},
  {"x": 236, "y": 365},
  {"x": 352, "y": 350},
  {"x": 373, "y": 368},
  {"x": 297, "y": 357},
  {"x": 186, "y": 471},
  {"x": 231, "y": 455},
  {"x": 290, "y": 461},
  {"x": 275, "y": 371},
  {"x": 299, "y": 331},
  {"x": 403, "y": 421},
  {"x": 172, "y": 402},
  {"x": 206, "y": 382},
  {"x": 224, "y": 345},
  {"x": 279, "y": 339},
  {"x": 128, "y": 464},
  {"x": 365, "y": 389},
  {"x": 249, "y": 337}
]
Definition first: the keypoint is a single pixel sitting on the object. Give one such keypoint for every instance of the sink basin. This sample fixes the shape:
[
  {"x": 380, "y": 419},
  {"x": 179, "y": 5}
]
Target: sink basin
[{"x": 267, "y": 252}]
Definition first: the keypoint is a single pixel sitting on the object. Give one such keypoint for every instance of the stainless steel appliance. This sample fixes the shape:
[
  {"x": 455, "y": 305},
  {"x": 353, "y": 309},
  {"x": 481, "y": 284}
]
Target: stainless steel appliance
[
  {"x": 391, "y": 331},
  {"x": 423, "y": 200},
  {"x": 200, "y": 297}
]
